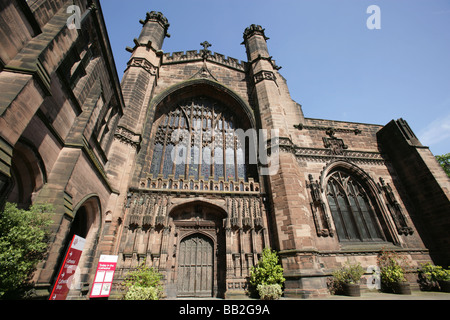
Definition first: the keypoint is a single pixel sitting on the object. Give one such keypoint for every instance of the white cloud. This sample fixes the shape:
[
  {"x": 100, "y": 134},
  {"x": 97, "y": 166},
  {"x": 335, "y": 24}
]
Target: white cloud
[{"x": 436, "y": 132}]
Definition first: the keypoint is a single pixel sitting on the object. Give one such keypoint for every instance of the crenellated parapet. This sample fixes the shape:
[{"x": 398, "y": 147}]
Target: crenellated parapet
[
  {"x": 197, "y": 55},
  {"x": 157, "y": 17},
  {"x": 254, "y": 30},
  {"x": 154, "y": 30}
]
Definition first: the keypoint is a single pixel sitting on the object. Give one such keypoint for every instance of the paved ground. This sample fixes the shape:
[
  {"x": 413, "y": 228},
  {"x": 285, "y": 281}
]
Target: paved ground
[{"x": 415, "y": 295}]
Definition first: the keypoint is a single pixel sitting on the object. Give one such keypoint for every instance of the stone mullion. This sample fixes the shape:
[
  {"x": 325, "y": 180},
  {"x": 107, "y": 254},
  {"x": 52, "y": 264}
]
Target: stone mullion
[
  {"x": 188, "y": 145},
  {"x": 200, "y": 145},
  {"x": 236, "y": 167},
  {"x": 213, "y": 145},
  {"x": 163, "y": 153},
  {"x": 224, "y": 149}
]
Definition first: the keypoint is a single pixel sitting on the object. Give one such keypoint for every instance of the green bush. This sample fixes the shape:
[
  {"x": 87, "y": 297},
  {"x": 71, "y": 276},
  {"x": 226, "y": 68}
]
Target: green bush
[
  {"x": 347, "y": 274},
  {"x": 267, "y": 272},
  {"x": 269, "y": 291},
  {"x": 392, "y": 268},
  {"x": 144, "y": 283},
  {"x": 430, "y": 275},
  {"x": 23, "y": 243},
  {"x": 143, "y": 293},
  {"x": 434, "y": 273}
]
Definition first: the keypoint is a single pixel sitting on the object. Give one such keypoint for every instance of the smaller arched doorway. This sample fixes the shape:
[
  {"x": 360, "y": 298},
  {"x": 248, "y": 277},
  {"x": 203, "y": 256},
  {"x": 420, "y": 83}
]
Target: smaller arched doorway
[
  {"x": 196, "y": 266},
  {"x": 87, "y": 218},
  {"x": 86, "y": 224}
]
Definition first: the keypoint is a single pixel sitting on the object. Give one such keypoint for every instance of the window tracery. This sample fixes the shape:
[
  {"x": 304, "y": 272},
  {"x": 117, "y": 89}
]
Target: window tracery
[
  {"x": 352, "y": 209},
  {"x": 196, "y": 140}
]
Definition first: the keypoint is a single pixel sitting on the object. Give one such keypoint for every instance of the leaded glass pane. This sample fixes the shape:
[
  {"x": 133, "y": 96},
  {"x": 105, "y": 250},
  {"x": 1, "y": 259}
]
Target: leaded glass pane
[
  {"x": 168, "y": 162},
  {"x": 156, "y": 162},
  {"x": 218, "y": 163},
  {"x": 340, "y": 229},
  {"x": 242, "y": 168},
  {"x": 206, "y": 162},
  {"x": 371, "y": 224},
  {"x": 359, "y": 218},
  {"x": 230, "y": 166},
  {"x": 347, "y": 217},
  {"x": 180, "y": 160},
  {"x": 193, "y": 164}
]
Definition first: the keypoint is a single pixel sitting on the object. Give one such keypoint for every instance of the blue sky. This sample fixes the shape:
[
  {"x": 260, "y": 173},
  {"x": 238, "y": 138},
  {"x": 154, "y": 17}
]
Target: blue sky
[{"x": 336, "y": 68}]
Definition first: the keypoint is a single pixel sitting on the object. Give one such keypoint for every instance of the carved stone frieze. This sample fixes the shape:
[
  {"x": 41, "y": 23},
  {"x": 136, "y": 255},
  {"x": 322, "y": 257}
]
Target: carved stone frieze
[
  {"x": 144, "y": 64},
  {"x": 325, "y": 155},
  {"x": 337, "y": 146},
  {"x": 321, "y": 219},
  {"x": 327, "y": 129},
  {"x": 245, "y": 212},
  {"x": 264, "y": 75},
  {"x": 147, "y": 209},
  {"x": 126, "y": 136},
  {"x": 395, "y": 209}
]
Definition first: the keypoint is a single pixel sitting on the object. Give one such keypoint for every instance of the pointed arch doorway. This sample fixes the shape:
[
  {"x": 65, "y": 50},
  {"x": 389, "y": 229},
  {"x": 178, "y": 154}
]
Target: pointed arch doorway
[
  {"x": 200, "y": 259},
  {"x": 196, "y": 266},
  {"x": 86, "y": 224}
]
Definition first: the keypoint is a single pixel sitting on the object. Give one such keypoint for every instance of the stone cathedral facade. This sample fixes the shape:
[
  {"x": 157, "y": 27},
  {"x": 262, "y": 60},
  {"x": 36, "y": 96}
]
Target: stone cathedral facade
[{"x": 156, "y": 169}]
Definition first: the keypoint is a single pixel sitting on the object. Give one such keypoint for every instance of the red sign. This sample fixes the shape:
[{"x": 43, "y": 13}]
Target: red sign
[
  {"x": 67, "y": 272},
  {"x": 104, "y": 276}
]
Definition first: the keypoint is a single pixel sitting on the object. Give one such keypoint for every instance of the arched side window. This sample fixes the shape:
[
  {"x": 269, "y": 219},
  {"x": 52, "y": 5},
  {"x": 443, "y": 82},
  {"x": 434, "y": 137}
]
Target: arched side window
[
  {"x": 196, "y": 139},
  {"x": 352, "y": 209}
]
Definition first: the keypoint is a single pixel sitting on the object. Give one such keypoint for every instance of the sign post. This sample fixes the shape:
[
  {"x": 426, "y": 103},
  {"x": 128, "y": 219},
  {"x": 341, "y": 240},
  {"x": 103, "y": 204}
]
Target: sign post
[
  {"x": 104, "y": 276},
  {"x": 66, "y": 274}
]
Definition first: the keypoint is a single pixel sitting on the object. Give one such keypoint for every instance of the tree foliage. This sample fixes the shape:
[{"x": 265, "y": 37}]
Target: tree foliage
[
  {"x": 23, "y": 243},
  {"x": 444, "y": 161}
]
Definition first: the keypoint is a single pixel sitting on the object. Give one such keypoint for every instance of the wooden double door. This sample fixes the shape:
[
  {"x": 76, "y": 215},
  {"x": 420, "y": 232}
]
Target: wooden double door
[{"x": 195, "y": 266}]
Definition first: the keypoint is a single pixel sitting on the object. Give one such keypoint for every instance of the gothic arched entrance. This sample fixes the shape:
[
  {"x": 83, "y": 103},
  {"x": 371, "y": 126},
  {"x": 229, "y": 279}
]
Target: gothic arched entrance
[
  {"x": 200, "y": 264},
  {"x": 196, "y": 266}
]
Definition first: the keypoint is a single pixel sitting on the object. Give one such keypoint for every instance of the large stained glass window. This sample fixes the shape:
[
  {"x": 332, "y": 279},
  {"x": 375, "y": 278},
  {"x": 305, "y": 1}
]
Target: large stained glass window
[
  {"x": 197, "y": 140},
  {"x": 352, "y": 210}
]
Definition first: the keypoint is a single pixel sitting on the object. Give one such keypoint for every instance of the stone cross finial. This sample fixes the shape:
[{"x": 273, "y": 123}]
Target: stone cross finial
[
  {"x": 205, "y": 45},
  {"x": 205, "y": 52}
]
